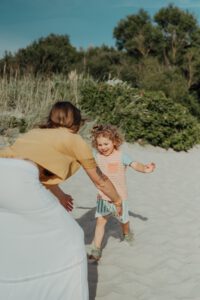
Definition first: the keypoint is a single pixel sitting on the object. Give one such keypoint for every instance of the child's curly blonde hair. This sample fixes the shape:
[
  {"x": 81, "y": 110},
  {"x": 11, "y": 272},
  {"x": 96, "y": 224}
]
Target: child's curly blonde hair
[{"x": 108, "y": 131}]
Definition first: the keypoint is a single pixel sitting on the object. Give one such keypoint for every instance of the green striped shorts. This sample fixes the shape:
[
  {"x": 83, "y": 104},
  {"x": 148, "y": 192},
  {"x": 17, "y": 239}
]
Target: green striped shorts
[{"x": 105, "y": 208}]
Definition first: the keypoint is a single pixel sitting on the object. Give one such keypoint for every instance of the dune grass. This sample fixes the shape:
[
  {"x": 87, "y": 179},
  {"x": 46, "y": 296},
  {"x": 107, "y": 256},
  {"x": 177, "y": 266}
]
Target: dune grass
[{"x": 25, "y": 101}]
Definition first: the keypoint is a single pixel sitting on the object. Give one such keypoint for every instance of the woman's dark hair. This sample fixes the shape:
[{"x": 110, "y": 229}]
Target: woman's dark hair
[{"x": 64, "y": 114}]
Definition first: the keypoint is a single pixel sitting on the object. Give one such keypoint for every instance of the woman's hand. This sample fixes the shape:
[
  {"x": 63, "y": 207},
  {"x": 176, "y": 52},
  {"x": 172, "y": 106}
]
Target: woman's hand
[
  {"x": 66, "y": 201},
  {"x": 118, "y": 206},
  {"x": 118, "y": 209}
]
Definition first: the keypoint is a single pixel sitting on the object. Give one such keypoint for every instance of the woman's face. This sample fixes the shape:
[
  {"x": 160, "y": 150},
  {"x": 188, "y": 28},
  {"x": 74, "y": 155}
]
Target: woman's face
[{"x": 105, "y": 146}]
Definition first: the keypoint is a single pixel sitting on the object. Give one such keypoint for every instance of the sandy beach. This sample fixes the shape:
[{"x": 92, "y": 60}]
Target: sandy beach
[{"x": 164, "y": 261}]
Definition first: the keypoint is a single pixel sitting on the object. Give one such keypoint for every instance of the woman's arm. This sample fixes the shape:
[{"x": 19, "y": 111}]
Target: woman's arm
[
  {"x": 103, "y": 183},
  {"x": 65, "y": 199}
]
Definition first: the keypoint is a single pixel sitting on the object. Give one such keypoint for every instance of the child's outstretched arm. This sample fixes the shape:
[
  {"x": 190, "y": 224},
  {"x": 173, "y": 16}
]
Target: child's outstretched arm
[{"x": 144, "y": 168}]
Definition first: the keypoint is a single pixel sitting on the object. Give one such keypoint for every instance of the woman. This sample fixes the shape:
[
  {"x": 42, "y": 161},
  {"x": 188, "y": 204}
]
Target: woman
[{"x": 42, "y": 253}]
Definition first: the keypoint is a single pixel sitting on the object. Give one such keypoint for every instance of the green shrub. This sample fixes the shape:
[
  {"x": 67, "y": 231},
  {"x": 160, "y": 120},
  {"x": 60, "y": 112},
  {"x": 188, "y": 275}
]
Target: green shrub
[
  {"x": 10, "y": 121},
  {"x": 145, "y": 117},
  {"x": 148, "y": 117}
]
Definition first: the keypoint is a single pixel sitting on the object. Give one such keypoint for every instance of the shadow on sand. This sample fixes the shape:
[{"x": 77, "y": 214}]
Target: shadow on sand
[{"x": 113, "y": 229}]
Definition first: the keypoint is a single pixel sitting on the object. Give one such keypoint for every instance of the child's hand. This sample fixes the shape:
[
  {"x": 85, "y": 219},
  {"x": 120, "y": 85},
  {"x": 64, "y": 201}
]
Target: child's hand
[{"x": 148, "y": 168}]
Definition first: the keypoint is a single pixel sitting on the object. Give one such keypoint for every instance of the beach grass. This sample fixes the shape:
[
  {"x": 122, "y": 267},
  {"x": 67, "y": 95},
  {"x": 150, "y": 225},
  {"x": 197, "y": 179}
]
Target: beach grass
[{"x": 25, "y": 101}]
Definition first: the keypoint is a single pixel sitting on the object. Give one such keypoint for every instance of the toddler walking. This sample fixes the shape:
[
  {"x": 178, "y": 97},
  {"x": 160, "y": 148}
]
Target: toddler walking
[{"x": 113, "y": 162}]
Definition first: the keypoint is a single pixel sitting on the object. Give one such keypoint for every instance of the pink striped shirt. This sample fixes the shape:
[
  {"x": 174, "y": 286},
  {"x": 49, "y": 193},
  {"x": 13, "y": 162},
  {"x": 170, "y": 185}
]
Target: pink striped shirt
[{"x": 113, "y": 167}]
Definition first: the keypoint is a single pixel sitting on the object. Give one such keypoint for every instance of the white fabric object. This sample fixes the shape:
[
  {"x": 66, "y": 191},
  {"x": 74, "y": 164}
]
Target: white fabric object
[{"x": 42, "y": 252}]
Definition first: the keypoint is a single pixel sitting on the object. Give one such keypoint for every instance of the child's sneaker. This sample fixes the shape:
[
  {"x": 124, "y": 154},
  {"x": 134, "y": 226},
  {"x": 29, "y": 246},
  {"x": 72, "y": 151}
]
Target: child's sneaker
[
  {"x": 129, "y": 238},
  {"x": 94, "y": 253}
]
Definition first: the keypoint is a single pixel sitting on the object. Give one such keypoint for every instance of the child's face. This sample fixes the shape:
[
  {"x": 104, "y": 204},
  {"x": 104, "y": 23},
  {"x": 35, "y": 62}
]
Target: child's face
[{"x": 105, "y": 146}]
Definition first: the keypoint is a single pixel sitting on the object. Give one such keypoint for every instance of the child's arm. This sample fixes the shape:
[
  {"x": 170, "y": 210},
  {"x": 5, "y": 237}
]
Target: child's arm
[{"x": 140, "y": 167}]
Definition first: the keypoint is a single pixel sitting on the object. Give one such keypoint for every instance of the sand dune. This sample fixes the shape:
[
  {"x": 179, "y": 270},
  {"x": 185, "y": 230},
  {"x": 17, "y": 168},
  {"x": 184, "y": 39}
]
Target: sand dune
[{"x": 164, "y": 262}]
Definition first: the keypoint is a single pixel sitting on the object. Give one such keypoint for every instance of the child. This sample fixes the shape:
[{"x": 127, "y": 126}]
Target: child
[{"x": 112, "y": 162}]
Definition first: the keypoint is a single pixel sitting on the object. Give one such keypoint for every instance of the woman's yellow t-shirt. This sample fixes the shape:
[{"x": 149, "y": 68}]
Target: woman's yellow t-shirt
[{"x": 58, "y": 151}]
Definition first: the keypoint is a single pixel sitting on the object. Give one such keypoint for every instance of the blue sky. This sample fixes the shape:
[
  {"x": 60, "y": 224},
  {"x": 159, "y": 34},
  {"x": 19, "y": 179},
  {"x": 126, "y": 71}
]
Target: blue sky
[{"x": 87, "y": 22}]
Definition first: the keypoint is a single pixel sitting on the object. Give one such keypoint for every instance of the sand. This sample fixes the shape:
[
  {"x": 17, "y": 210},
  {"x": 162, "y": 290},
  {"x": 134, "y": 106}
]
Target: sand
[{"x": 164, "y": 261}]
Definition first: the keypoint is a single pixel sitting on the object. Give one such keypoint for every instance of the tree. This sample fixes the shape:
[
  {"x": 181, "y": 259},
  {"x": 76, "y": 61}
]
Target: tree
[
  {"x": 153, "y": 76},
  {"x": 99, "y": 62},
  {"x": 137, "y": 35},
  {"x": 178, "y": 28},
  {"x": 52, "y": 54},
  {"x": 191, "y": 66}
]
